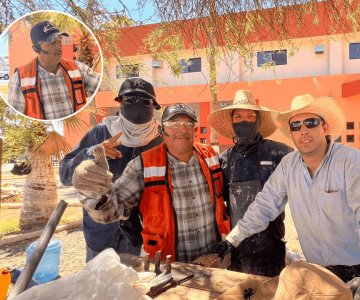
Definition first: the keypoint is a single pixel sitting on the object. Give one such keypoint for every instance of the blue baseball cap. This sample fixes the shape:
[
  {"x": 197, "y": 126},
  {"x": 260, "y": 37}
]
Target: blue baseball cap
[{"x": 44, "y": 32}]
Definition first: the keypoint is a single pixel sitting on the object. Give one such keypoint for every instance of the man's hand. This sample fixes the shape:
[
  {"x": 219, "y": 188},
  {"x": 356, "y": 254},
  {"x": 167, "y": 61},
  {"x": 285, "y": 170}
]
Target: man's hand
[
  {"x": 223, "y": 248},
  {"x": 110, "y": 146},
  {"x": 92, "y": 178},
  {"x": 354, "y": 286}
]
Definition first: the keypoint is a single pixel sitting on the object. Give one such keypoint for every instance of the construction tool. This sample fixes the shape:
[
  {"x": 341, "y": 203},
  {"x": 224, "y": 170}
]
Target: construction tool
[{"x": 163, "y": 287}]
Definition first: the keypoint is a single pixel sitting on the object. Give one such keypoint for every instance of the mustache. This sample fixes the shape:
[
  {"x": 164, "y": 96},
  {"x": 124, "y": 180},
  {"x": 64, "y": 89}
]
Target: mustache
[{"x": 183, "y": 135}]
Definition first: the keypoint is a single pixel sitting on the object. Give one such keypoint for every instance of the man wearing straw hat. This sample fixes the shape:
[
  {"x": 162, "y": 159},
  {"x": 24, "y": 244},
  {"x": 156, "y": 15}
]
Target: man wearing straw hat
[
  {"x": 321, "y": 183},
  {"x": 246, "y": 167}
]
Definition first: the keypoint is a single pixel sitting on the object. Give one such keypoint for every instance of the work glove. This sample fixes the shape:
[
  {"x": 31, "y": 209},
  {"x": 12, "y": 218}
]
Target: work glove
[
  {"x": 92, "y": 178},
  {"x": 293, "y": 256},
  {"x": 223, "y": 248},
  {"x": 354, "y": 285}
]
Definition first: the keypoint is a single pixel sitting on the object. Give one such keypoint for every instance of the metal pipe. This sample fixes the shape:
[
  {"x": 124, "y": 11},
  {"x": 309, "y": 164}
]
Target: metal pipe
[
  {"x": 147, "y": 262},
  {"x": 157, "y": 262},
  {"x": 168, "y": 264},
  {"x": 41, "y": 244}
]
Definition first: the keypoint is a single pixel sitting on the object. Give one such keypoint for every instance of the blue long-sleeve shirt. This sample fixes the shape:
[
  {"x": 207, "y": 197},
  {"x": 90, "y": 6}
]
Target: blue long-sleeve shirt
[
  {"x": 100, "y": 236},
  {"x": 325, "y": 208}
]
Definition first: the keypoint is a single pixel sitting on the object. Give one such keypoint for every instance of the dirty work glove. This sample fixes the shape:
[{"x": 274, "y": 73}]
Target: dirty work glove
[
  {"x": 223, "y": 248},
  {"x": 92, "y": 178},
  {"x": 354, "y": 285}
]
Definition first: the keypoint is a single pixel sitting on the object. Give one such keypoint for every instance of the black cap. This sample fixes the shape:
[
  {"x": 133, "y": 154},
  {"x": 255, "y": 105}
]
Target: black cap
[
  {"x": 137, "y": 85},
  {"x": 178, "y": 109},
  {"x": 44, "y": 32}
]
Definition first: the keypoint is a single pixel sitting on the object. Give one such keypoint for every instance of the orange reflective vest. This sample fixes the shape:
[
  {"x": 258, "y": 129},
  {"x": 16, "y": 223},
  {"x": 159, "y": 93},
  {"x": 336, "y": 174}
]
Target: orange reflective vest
[
  {"x": 30, "y": 87},
  {"x": 159, "y": 226}
]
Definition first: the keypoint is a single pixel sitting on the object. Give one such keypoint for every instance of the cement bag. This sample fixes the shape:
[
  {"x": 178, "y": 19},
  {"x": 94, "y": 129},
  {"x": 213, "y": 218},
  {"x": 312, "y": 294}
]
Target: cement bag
[{"x": 104, "y": 277}]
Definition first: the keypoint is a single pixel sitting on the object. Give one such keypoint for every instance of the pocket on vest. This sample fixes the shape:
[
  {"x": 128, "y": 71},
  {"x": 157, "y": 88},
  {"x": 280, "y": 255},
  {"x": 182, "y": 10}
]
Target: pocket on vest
[{"x": 153, "y": 242}]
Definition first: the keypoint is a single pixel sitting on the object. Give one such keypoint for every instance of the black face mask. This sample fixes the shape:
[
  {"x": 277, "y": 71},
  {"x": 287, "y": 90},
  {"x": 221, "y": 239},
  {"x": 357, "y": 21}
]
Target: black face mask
[
  {"x": 137, "y": 113},
  {"x": 246, "y": 132}
]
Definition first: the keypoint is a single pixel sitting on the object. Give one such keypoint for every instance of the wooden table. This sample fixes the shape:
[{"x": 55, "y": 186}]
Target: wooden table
[{"x": 207, "y": 283}]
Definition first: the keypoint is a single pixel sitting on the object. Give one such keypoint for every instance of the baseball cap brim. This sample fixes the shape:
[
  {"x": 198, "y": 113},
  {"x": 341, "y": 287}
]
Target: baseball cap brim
[
  {"x": 185, "y": 113},
  {"x": 157, "y": 106},
  {"x": 53, "y": 36}
]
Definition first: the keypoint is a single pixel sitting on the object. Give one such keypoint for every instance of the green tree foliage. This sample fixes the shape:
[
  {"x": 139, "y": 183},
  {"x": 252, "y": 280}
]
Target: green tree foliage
[{"x": 19, "y": 133}]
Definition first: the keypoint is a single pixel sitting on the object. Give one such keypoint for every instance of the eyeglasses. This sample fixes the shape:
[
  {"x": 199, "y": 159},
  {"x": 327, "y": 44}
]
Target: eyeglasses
[
  {"x": 309, "y": 123},
  {"x": 177, "y": 124}
]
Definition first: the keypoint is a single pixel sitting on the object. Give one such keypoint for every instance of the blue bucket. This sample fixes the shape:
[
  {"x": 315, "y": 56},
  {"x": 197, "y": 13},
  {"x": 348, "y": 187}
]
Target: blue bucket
[{"x": 49, "y": 266}]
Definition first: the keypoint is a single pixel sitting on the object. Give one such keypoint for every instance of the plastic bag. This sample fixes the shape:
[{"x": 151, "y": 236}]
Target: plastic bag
[{"x": 104, "y": 277}]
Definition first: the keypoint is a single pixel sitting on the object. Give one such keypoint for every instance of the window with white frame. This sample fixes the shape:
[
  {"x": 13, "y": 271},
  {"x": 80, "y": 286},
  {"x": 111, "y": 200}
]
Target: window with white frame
[
  {"x": 191, "y": 65},
  {"x": 275, "y": 57},
  {"x": 127, "y": 71}
]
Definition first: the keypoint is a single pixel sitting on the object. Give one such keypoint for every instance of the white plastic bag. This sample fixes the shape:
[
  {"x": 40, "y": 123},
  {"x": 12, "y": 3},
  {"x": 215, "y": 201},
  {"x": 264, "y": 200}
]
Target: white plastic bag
[{"x": 103, "y": 278}]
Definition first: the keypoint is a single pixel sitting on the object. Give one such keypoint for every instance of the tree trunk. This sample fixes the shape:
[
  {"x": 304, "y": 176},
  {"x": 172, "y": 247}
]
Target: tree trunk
[
  {"x": 214, "y": 137},
  {"x": 40, "y": 194}
]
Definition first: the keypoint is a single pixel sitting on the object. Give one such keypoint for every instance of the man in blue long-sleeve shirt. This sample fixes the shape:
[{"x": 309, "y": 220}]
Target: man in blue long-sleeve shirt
[
  {"x": 124, "y": 137},
  {"x": 321, "y": 183}
]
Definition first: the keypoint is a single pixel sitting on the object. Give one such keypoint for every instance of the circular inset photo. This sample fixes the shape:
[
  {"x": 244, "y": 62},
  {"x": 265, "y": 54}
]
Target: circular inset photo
[{"x": 53, "y": 65}]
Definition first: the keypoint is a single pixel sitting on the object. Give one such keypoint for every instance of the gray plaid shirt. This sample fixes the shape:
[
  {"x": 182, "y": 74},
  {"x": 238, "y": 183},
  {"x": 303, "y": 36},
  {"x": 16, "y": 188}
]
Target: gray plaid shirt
[
  {"x": 55, "y": 94},
  {"x": 191, "y": 201}
]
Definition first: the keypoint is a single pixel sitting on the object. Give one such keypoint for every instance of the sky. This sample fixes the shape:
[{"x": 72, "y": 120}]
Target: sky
[
  {"x": 144, "y": 15},
  {"x": 3, "y": 46}
]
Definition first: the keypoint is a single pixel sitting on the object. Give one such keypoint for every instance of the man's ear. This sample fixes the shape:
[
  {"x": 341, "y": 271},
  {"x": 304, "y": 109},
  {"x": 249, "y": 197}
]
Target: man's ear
[
  {"x": 161, "y": 130},
  {"x": 326, "y": 128}
]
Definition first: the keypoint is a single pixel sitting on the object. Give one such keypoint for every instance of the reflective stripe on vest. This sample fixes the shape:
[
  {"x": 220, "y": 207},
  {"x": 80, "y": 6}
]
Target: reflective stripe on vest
[
  {"x": 31, "y": 89},
  {"x": 159, "y": 232}
]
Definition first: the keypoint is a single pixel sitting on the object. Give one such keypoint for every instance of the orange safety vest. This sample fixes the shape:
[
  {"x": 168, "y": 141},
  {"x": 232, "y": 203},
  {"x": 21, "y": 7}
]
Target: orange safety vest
[
  {"x": 159, "y": 226},
  {"x": 30, "y": 87}
]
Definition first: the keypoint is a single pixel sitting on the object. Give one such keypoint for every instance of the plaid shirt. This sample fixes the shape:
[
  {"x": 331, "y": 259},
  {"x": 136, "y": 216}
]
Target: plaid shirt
[
  {"x": 191, "y": 201},
  {"x": 55, "y": 94}
]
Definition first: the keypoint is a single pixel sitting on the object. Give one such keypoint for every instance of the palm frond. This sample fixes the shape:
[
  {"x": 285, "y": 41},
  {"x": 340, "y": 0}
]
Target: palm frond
[
  {"x": 74, "y": 123},
  {"x": 54, "y": 145},
  {"x": 93, "y": 110}
]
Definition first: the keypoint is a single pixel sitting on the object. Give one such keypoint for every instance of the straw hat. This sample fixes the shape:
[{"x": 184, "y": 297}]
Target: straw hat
[
  {"x": 221, "y": 119},
  {"x": 299, "y": 280},
  {"x": 325, "y": 107}
]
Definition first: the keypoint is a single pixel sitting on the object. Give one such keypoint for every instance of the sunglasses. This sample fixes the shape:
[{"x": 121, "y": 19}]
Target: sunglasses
[
  {"x": 137, "y": 99},
  {"x": 177, "y": 124},
  {"x": 141, "y": 101},
  {"x": 309, "y": 123}
]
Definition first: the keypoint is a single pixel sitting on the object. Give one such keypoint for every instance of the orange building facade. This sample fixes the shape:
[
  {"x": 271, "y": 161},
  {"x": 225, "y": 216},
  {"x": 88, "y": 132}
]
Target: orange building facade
[{"x": 323, "y": 66}]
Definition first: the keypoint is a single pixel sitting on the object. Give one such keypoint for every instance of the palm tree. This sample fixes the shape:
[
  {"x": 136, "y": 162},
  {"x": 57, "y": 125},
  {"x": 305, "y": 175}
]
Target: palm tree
[{"x": 40, "y": 192}]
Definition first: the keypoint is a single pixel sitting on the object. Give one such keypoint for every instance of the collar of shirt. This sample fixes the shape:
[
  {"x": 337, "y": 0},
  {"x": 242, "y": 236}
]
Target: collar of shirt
[
  {"x": 44, "y": 72},
  {"x": 174, "y": 161}
]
